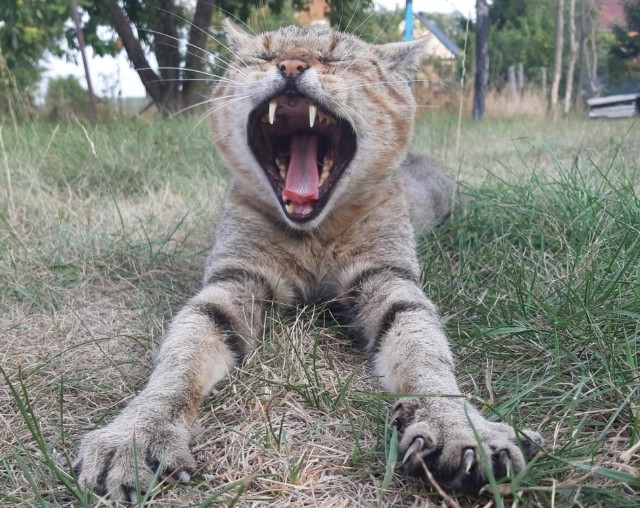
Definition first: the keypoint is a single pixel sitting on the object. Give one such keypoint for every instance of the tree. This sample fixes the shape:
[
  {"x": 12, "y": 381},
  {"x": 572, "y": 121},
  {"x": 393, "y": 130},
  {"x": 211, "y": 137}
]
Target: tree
[
  {"x": 520, "y": 32},
  {"x": 29, "y": 28},
  {"x": 627, "y": 48},
  {"x": 182, "y": 40},
  {"x": 172, "y": 86},
  {"x": 557, "y": 60},
  {"x": 482, "y": 58}
]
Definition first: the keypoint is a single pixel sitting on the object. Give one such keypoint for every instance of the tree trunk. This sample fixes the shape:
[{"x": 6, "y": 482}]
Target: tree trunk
[
  {"x": 557, "y": 61},
  {"x": 593, "y": 74},
  {"x": 482, "y": 58},
  {"x": 172, "y": 87},
  {"x": 132, "y": 46},
  {"x": 573, "y": 55},
  {"x": 196, "y": 50},
  {"x": 166, "y": 47},
  {"x": 582, "y": 56}
]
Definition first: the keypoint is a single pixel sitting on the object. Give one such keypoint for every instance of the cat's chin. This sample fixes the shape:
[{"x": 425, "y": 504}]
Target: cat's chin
[{"x": 304, "y": 150}]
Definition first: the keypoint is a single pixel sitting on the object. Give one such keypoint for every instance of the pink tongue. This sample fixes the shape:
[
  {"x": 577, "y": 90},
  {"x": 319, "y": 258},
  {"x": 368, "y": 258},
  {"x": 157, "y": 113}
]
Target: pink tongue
[{"x": 301, "y": 186}]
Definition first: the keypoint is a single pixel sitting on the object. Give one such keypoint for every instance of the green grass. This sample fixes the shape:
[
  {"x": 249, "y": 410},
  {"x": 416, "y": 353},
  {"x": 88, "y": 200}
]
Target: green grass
[{"x": 102, "y": 237}]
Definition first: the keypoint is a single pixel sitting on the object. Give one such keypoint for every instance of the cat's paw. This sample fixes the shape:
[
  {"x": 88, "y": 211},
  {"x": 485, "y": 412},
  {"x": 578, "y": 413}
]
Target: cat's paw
[
  {"x": 130, "y": 455},
  {"x": 440, "y": 437}
]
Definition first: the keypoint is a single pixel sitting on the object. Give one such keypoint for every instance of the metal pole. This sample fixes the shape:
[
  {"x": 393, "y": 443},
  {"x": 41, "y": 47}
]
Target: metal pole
[
  {"x": 75, "y": 13},
  {"x": 408, "y": 21}
]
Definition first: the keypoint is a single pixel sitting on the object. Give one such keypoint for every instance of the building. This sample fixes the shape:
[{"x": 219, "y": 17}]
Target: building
[{"x": 314, "y": 13}]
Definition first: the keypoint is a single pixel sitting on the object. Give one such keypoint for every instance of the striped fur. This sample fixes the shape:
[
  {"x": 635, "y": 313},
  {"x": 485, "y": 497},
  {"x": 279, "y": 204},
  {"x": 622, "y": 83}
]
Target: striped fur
[{"x": 359, "y": 251}]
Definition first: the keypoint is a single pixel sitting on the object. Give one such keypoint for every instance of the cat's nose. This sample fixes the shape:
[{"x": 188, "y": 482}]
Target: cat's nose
[{"x": 292, "y": 68}]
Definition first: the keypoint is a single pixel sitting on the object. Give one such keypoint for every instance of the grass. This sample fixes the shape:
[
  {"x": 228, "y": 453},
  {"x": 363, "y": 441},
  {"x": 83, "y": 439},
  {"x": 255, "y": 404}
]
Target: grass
[{"x": 102, "y": 237}]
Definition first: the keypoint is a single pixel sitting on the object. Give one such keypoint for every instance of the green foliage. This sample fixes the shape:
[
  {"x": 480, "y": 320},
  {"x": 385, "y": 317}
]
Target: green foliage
[
  {"x": 629, "y": 37},
  {"x": 521, "y": 32},
  {"x": 29, "y": 29},
  {"x": 65, "y": 98},
  {"x": 626, "y": 50}
]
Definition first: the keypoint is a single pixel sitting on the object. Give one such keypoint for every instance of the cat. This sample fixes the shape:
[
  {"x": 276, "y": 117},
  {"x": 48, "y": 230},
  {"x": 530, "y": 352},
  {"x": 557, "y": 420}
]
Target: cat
[{"x": 314, "y": 126}]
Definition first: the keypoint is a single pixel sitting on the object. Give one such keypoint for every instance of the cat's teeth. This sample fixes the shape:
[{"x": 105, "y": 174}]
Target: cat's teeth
[
  {"x": 326, "y": 169},
  {"x": 273, "y": 105},
  {"x": 280, "y": 163},
  {"x": 326, "y": 118},
  {"x": 289, "y": 206},
  {"x": 312, "y": 114}
]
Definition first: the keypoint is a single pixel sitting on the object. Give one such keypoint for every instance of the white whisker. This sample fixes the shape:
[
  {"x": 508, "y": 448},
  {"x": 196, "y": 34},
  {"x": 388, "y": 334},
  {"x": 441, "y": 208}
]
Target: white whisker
[
  {"x": 209, "y": 113},
  {"x": 208, "y": 101}
]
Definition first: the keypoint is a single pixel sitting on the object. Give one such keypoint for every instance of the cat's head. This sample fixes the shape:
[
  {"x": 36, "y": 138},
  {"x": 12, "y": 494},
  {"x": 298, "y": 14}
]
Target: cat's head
[{"x": 312, "y": 119}]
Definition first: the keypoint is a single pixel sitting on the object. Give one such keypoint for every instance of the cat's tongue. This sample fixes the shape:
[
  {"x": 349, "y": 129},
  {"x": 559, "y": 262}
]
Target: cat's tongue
[{"x": 301, "y": 187}]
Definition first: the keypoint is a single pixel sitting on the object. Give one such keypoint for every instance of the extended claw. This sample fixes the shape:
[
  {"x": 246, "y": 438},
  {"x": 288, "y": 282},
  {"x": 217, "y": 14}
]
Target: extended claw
[
  {"x": 416, "y": 446},
  {"x": 184, "y": 477},
  {"x": 468, "y": 459},
  {"x": 132, "y": 495},
  {"x": 505, "y": 462}
]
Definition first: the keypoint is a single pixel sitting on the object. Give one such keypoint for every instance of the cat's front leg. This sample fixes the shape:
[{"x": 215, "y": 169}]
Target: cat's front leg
[
  {"x": 150, "y": 437},
  {"x": 439, "y": 430}
]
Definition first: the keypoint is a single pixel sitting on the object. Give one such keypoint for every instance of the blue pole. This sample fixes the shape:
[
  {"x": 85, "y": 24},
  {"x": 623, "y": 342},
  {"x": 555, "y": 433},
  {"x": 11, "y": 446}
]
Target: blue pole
[{"x": 408, "y": 21}]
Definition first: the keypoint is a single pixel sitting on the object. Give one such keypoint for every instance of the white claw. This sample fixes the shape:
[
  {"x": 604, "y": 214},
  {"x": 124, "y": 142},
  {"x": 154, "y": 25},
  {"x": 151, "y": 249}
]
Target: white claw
[
  {"x": 312, "y": 114},
  {"x": 184, "y": 477},
  {"x": 133, "y": 497},
  {"x": 273, "y": 105},
  {"x": 469, "y": 457},
  {"x": 506, "y": 462},
  {"x": 415, "y": 447}
]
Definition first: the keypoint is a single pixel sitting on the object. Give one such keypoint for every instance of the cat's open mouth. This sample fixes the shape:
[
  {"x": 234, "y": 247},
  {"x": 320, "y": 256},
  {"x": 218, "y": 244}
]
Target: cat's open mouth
[{"x": 303, "y": 149}]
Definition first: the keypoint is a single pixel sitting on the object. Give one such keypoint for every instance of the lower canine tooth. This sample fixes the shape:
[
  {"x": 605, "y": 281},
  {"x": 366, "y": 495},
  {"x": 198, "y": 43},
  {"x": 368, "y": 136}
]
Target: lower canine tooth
[{"x": 289, "y": 207}]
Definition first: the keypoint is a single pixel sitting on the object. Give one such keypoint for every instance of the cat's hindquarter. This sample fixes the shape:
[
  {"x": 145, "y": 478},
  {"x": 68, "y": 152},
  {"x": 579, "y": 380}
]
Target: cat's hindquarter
[{"x": 430, "y": 192}]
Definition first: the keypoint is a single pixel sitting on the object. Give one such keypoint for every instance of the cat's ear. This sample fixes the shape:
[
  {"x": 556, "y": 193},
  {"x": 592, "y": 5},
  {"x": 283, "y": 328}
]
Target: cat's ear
[
  {"x": 403, "y": 57},
  {"x": 236, "y": 36}
]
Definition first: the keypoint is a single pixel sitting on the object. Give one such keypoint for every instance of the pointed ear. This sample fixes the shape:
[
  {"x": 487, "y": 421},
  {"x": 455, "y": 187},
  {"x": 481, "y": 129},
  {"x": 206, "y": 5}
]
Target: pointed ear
[
  {"x": 236, "y": 36},
  {"x": 403, "y": 57}
]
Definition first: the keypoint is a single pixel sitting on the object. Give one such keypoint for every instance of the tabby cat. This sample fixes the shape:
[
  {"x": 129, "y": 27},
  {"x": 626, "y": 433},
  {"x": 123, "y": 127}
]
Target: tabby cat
[{"x": 314, "y": 126}]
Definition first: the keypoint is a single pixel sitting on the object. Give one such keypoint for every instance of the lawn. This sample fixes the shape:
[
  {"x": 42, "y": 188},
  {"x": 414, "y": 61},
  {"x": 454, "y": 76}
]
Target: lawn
[{"x": 103, "y": 233}]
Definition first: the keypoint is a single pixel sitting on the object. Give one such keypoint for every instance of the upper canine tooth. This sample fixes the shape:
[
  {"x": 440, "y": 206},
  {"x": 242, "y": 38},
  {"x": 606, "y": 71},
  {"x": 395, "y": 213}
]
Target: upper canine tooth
[
  {"x": 273, "y": 105},
  {"x": 312, "y": 114}
]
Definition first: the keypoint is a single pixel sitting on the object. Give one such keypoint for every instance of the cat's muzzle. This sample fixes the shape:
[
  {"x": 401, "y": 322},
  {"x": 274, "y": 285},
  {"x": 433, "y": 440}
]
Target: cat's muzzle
[{"x": 303, "y": 148}]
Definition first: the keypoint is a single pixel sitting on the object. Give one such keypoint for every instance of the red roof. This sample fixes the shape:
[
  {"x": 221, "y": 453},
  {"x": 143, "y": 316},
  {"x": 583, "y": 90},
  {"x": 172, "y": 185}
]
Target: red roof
[{"x": 611, "y": 13}]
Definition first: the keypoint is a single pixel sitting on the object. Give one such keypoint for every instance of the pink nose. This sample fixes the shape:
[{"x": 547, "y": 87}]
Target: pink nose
[{"x": 292, "y": 68}]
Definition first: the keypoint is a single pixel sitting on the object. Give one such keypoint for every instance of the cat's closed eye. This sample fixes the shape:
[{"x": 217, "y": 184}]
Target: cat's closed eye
[{"x": 266, "y": 56}]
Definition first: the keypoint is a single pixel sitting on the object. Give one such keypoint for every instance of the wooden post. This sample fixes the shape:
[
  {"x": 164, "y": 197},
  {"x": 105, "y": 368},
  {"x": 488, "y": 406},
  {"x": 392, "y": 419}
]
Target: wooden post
[
  {"x": 482, "y": 58},
  {"x": 520, "y": 78},
  {"x": 75, "y": 13},
  {"x": 512, "y": 86}
]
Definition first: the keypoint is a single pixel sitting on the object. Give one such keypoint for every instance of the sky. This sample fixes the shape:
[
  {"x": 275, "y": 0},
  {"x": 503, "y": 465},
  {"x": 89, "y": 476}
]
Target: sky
[{"x": 109, "y": 73}]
